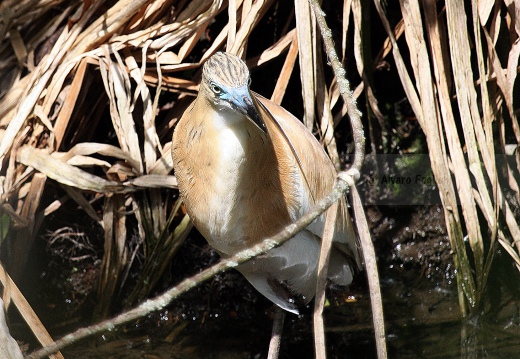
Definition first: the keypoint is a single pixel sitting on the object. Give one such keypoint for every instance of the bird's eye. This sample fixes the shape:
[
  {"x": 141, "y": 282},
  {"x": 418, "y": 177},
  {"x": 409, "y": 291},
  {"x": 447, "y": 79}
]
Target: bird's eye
[{"x": 216, "y": 89}]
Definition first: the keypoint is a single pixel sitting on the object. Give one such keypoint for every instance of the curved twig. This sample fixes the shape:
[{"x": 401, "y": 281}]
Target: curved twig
[
  {"x": 344, "y": 89},
  {"x": 360, "y": 218}
]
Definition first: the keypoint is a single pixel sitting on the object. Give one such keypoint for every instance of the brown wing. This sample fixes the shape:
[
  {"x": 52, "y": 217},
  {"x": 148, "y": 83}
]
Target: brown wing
[{"x": 317, "y": 169}]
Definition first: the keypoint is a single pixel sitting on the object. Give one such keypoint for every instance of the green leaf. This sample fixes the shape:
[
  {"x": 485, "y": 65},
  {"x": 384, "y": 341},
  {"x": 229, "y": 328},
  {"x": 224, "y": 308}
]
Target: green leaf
[{"x": 5, "y": 221}]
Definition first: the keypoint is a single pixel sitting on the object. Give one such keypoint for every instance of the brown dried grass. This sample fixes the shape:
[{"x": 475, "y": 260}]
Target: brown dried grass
[
  {"x": 447, "y": 59},
  {"x": 139, "y": 46}
]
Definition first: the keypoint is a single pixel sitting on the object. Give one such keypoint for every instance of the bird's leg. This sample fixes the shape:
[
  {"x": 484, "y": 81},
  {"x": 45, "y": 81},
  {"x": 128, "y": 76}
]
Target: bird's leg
[{"x": 276, "y": 335}]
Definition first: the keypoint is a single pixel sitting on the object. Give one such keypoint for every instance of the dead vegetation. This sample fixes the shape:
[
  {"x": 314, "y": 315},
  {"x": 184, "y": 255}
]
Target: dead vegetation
[{"x": 72, "y": 68}]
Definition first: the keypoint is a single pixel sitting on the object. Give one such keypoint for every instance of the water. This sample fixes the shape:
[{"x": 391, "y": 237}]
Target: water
[{"x": 423, "y": 321}]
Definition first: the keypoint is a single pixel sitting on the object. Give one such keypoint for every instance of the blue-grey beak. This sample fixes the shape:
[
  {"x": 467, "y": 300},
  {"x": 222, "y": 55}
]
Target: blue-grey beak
[{"x": 240, "y": 99}]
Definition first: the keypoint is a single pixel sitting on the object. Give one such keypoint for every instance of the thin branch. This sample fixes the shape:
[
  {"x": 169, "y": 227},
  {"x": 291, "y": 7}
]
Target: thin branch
[
  {"x": 359, "y": 139},
  {"x": 344, "y": 89}
]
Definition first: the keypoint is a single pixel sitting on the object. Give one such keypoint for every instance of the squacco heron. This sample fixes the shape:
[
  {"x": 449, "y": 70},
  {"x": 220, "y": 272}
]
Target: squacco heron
[{"x": 246, "y": 168}]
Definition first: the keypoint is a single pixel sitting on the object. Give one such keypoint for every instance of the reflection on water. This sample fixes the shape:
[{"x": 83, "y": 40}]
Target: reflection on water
[
  {"x": 456, "y": 340},
  {"x": 422, "y": 322}
]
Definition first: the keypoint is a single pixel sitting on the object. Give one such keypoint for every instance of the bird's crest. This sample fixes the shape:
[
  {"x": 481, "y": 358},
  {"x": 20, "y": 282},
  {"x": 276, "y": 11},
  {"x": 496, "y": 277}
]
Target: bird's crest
[{"x": 226, "y": 70}]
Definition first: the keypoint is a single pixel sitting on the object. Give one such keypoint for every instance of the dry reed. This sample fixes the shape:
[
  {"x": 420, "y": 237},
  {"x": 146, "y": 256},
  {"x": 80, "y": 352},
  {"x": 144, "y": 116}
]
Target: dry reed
[{"x": 54, "y": 51}]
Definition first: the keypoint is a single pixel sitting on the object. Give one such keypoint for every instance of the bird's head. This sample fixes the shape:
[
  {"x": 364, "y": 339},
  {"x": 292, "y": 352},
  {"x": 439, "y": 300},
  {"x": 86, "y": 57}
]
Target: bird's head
[{"x": 225, "y": 83}]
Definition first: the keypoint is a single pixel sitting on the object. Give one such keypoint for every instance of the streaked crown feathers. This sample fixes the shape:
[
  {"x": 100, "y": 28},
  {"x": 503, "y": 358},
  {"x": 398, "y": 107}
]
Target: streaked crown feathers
[{"x": 225, "y": 69}]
